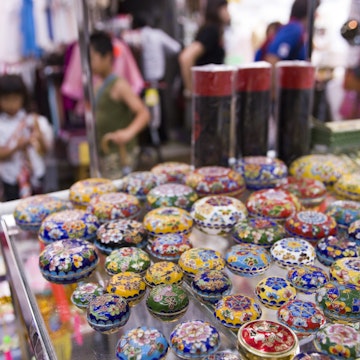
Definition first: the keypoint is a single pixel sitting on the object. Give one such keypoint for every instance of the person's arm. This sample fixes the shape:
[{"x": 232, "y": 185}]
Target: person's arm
[
  {"x": 122, "y": 92},
  {"x": 9, "y": 150},
  {"x": 171, "y": 46},
  {"x": 187, "y": 59}
]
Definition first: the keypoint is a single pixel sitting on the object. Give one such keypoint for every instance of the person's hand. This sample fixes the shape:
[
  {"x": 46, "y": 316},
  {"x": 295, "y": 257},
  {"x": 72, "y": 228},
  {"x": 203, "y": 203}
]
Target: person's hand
[
  {"x": 22, "y": 143},
  {"x": 119, "y": 137}
]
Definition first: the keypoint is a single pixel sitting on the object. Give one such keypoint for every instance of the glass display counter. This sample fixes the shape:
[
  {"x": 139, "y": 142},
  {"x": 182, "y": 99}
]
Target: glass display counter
[{"x": 56, "y": 329}]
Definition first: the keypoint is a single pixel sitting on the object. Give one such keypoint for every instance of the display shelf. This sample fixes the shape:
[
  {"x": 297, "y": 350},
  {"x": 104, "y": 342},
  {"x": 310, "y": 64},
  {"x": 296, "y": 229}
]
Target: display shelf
[{"x": 58, "y": 330}]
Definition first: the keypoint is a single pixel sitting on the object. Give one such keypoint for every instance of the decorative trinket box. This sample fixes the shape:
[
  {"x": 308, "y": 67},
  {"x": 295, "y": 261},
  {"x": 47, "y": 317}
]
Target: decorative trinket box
[
  {"x": 163, "y": 272},
  {"x": 258, "y": 231},
  {"x": 339, "y": 302},
  {"x": 174, "y": 171},
  {"x": 216, "y": 215},
  {"x": 194, "y": 339},
  {"x": 127, "y": 259},
  {"x": 129, "y": 285},
  {"x": 30, "y": 212},
  {"x": 265, "y": 339},
  {"x": 235, "y": 310},
  {"x": 178, "y": 195},
  {"x": 167, "y": 220},
  {"x": 326, "y": 168},
  {"x": 293, "y": 251},
  {"x": 211, "y": 285},
  {"x": 303, "y": 317},
  {"x": 196, "y": 260},
  {"x": 307, "y": 278},
  {"x": 275, "y": 291},
  {"x": 113, "y": 206},
  {"x": 354, "y": 231},
  {"x": 223, "y": 355},
  {"x": 216, "y": 180},
  {"x": 107, "y": 313},
  {"x": 348, "y": 186},
  {"x": 120, "y": 233},
  {"x": 146, "y": 343},
  {"x": 167, "y": 302},
  {"x": 332, "y": 248},
  {"x": 247, "y": 260},
  {"x": 83, "y": 191},
  {"x": 261, "y": 172},
  {"x": 311, "y": 225},
  {"x": 310, "y": 192},
  {"x": 84, "y": 293},
  {"x": 169, "y": 246},
  {"x": 346, "y": 271},
  {"x": 338, "y": 340},
  {"x": 68, "y": 224},
  {"x": 139, "y": 183},
  {"x": 273, "y": 204},
  {"x": 313, "y": 356},
  {"x": 344, "y": 212},
  {"x": 68, "y": 261}
]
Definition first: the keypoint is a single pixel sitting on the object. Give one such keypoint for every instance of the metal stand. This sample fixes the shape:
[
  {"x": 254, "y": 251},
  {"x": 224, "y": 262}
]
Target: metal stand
[{"x": 82, "y": 17}]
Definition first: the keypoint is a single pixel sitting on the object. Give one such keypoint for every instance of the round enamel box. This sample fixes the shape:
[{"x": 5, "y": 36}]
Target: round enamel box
[
  {"x": 146, "y": 343},
  {"x": 127, "y": 259},
  {"x": 194, "y": 339},
  {"x": 167, "y": 302},
  {"x": 339, "y": 302},
  {"x": 293, "y": 251},
  {"x": 354, "y": 231},
  {"x": 174, "y": 171},
  {"x": 139, "y": 183},
  {"x": 167, "y": 220},
  {"x": 216, "y": 180},
  {"x": 258, "y": 231},
  {"x": 325, "y": 168},
  {"x": 211, "y": 285},
  {"x": 344, "y": 212},
  {"x": 68, "y": 224},
  {"x": 163, "y": 272},
  {"x": 310, "y": 192},
  {"x": 313, "y": 356},
  {"x": 338, "y": 340},
  {"x": 68, "y": 261},
  {"x": 261, "y": 172},
  {"x": 307, "y": 278},
  {"x": 178, "y": 195},
  {"x": 215, "y": 215},
  {"x": 264, "y": 339},
  {"x": 196, "y": 260},
  {"x": 30, "y": 212},
  {"x": 83, "y": 191},
  {"x": 346, "y": 271},
  {"x": 247, "y": 260},
  {"x": 332, "y": 248},
  {"x": 113, "y": 206},
  {"x": 107, "y": 313},
  {"x": 223, "y": 355},
  {"x": 120, "y": 233},
  {"x": 348, "y": 186},
  {"x": 235, "y": 310},
  {"x": 303, "y": 317},
  {"x": 169, "y": 246},
  {"x": 84, "y": 293},
  {"x": 129, "y": 285},
  {"x": 275, "y": 291},
  {"x": 273, "y": 204},
  {"x": 311, "y": 225}
]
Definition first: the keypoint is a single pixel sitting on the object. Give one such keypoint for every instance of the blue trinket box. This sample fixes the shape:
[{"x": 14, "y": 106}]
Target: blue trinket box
[
  {"x": 344, "y": 212},
  {"x": 108, "y": 313},
  {"x": 354, "y": 231}
]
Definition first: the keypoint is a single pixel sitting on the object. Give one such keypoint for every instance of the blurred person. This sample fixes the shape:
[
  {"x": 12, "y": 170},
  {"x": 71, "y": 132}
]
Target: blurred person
[
  {"x": 271, "y": 31},
  {"x": 120, "y": 113},
  {"x": 208, "y": 45},
  {"x": 24, "y": 141}
]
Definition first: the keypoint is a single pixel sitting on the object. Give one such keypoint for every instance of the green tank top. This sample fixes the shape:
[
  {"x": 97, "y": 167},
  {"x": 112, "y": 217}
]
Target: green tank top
[{"x": 111, "y": 115}]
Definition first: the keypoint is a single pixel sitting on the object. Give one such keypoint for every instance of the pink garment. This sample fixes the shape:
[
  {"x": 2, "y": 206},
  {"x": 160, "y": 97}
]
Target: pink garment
[{"x": 124, "y": 66}]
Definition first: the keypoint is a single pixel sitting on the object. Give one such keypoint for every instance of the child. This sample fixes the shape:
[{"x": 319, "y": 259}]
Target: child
[
  {"x": 24, "y": 140},
  {"x": 120, "y": 114}
]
